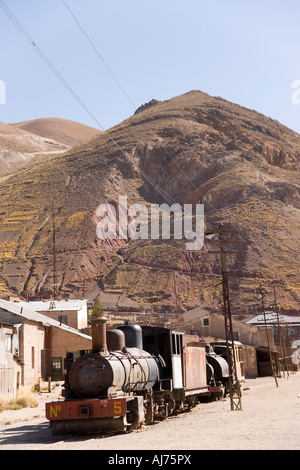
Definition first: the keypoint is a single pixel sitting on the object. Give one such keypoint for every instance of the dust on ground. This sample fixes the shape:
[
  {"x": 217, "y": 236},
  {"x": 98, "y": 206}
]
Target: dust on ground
[{"x": 270, "y": 420}]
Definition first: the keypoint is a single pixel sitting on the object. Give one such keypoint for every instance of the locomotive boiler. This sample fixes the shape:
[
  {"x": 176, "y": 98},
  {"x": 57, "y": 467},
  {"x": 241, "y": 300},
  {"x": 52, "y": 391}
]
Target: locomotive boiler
[{"x": 113, "y": 367}]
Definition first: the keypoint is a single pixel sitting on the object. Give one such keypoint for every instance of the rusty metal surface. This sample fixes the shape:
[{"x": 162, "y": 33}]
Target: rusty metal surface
[
  {"x": 68, "y": 410},
  {"x": 88, "y": 426},
  {"x": 194, "y": 367}
]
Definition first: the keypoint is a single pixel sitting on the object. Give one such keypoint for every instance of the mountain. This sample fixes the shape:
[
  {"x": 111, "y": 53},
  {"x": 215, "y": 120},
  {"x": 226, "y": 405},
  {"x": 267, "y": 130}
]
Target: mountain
[
  {"x": 194, "y": 148},
  {"x": 66, "y": 132},
  {"x": 30, "y": 142},
  {"x": 20, "y": 149}
]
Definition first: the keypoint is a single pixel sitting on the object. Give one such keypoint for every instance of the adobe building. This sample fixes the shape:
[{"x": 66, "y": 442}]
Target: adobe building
[
  {"x": 286, "y": 335},
  {"x": 70, "y": 312},
  {"x": 10, "y": 366},
  {"x": 253, "y": 339},
  {"x": 33, "y": 346}
]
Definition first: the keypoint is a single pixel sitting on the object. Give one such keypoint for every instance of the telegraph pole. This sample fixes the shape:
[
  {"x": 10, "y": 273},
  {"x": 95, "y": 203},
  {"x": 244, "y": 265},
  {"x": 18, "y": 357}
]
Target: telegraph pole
[
  {"x": 234, "y": 385},
  {"x": 261, "y": 297},
  {"x": 282, "y": 348},
  {"x": 54, "y": 257},
  {"x": 175, "y": 290}
]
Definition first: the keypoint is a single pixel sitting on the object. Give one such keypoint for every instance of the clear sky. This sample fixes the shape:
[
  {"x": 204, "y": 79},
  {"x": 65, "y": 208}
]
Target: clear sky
[{"x": 246, "y": 51}]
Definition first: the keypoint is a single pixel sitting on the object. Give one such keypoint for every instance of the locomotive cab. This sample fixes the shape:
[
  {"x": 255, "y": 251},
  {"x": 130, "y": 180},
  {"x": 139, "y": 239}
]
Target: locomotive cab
[
  {"x": 184, "y": 374},
  {"x": 166, "y": 344}
]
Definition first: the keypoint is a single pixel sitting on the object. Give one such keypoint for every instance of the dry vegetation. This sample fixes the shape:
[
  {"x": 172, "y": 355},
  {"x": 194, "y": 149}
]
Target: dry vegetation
[{"x": 24, "y": 398}]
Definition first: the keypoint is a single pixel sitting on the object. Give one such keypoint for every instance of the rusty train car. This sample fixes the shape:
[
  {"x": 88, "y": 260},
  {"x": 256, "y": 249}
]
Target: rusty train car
[{"x": 132, "y": 376}]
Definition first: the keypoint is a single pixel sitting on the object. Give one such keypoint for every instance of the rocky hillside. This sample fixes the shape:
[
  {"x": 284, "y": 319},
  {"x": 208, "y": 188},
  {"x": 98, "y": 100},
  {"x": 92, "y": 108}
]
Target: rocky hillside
[{"x": 193, "y": 148}]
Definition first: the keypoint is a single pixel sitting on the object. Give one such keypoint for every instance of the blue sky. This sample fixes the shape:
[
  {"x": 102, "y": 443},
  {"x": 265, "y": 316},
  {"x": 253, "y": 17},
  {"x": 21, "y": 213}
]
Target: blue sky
[{"x": 247, "y": 52}]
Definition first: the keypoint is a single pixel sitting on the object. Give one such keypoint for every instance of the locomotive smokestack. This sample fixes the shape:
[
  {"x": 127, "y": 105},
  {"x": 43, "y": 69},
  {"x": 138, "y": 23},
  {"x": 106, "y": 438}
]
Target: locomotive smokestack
[{"x": 99, "y": 335}]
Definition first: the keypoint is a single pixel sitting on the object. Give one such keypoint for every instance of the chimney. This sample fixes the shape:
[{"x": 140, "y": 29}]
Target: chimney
[{"x": 99, "y": 335}]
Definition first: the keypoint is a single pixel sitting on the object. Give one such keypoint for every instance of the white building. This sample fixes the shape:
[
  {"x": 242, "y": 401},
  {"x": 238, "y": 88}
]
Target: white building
[{"x": 69, "y": 312}]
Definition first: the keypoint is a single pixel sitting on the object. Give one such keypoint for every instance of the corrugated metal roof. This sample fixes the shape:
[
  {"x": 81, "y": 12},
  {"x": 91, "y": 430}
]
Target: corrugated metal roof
[
  {"x": 271, "y": 317},
  {"x": 42, "y": 305},
  {"x": 28, "y": 313}
]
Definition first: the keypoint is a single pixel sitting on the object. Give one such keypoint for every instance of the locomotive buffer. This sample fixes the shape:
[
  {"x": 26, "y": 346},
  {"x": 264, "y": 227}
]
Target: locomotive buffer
[{"x": 234, "y": 385}]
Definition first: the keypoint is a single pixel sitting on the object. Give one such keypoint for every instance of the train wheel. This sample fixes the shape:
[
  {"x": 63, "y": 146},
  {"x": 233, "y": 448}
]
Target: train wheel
[{"x": 191, "y": 402}]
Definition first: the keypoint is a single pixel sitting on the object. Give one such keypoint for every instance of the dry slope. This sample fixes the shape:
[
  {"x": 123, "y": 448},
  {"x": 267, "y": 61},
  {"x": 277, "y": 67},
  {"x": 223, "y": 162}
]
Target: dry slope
[
  {"x": 64, "y": 131},
  {"x": 27, "y": 143},
  {"x": 193, "y": 148}
]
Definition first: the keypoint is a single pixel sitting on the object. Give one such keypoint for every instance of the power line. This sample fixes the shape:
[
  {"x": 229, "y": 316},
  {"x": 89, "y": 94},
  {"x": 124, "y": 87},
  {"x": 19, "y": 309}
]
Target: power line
[
  {"x": 99, "y": 55},
  {"x": 131, "y": 102},
  {"x": 123, "y": 90},
  {"x": 126, "y": 94},
  {"x": 35, "y": 46},
  {"x": 33, "y": 43}
]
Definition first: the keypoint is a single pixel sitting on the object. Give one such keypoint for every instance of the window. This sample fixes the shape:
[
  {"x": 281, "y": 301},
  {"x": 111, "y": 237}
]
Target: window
[
  {"x": 8, "y": 343},
  {"x": 235, "y": 335},
  {"x": 205, "y": 321},
  {"x": 32, "y": 357},
  {"x": 292, "y": 331},
  {"x": 18, "y": 380},
  {"x": 56, "y": 363},
  {"x": 179, "y": 344},
  {"x": 176, "y": 343},
  {"x": 63, "y": 319}
]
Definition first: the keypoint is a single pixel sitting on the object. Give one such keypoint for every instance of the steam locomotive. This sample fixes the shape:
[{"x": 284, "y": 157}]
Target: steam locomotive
[{"x": 135, "y": 375}]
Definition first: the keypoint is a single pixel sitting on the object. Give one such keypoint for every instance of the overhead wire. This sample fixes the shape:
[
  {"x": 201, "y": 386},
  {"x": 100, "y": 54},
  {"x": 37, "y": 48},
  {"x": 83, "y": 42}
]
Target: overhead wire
[
  {"x": 133, "y": 105},
  {"x": 34, "y": 44},
  {"x": 237, "y": 261},
  {"x": 28, "y": 37},
  {"x": 99, "y": 55},
  {"x": 43, "y": 56},
  {"x": 126, "y": 94}
]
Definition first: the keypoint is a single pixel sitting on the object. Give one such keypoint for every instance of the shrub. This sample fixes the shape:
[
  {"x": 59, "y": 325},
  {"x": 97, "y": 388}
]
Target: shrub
[{"x": 23, "y": 399}]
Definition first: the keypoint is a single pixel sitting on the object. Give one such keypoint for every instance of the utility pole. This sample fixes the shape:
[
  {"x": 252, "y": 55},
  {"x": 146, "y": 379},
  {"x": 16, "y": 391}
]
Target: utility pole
[
  {"x": 234, "y": 384},
  {"x": 54, "y": 257},
  {"x": 286, "y": 341},
  {"x": 282, "y": 348},
  {"x": 261, "y": 297},
  {"x": 175, "y": 290}
]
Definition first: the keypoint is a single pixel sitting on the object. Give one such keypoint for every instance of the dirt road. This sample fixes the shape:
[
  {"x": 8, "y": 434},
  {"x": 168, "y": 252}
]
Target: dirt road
[{"x": 270, "y": 420}]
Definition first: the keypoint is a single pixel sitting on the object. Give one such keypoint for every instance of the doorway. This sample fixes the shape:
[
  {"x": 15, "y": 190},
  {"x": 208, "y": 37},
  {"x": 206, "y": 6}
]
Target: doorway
[{"x": 56, "y": 368}]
